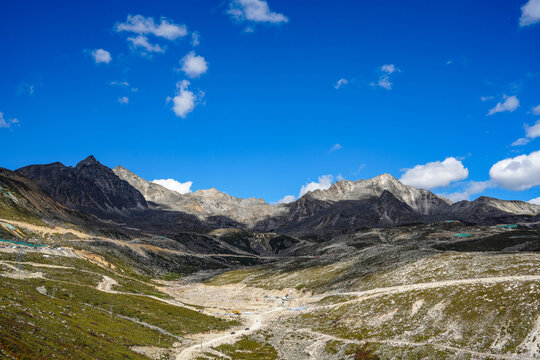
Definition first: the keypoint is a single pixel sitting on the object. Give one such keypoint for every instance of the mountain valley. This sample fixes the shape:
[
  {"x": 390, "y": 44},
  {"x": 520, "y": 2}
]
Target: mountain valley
[{"x": 100, "y": 263}]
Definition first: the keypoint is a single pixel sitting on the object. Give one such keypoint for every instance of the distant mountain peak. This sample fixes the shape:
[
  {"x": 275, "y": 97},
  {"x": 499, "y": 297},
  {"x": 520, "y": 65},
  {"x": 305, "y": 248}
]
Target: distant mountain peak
[
  {"x": 385, "y": 177},
  {"x": 89, "y": 186},
  {"x": 91, "y": 160}
]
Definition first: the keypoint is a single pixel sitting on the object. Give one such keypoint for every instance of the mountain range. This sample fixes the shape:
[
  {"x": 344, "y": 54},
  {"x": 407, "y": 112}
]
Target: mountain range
[{"x": 346, "y": 206}]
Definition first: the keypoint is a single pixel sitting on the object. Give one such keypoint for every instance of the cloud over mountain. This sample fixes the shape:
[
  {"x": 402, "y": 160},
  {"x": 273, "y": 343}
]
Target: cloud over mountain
[{"x": 435, "y": 174}]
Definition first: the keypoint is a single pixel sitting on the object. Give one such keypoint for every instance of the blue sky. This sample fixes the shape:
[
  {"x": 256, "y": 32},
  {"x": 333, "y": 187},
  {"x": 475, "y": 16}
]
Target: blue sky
[{"x": 281, "y": 94}]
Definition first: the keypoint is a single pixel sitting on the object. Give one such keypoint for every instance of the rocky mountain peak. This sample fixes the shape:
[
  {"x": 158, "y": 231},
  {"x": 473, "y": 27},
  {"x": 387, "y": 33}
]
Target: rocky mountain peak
[
  {"x": 385, "y": 178},
  {"x": 91, "y": 160},
  {"x": 89, "y": 186}
]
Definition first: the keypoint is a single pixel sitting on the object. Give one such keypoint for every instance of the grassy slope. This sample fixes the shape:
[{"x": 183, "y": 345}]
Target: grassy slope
[{"x": 76, "y": 323}]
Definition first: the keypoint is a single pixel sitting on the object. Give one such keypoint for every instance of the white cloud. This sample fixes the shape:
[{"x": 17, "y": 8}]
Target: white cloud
[
  {"x": 389, "y": 68},
  {"x": 325, "y": 181},
  {"x": 471, "y": 188},
  {"x": 123, "y": 100},
  {"x": 286, "y": 199},
  {"x": 530, "y": 13},
  {"x": 171, "y": 184},
  {"x": 141, "y": 42},
  {"x": 119, "y": 83},
  {"x": 531, "y": 132},
  {"x": 536, "y": 110},
  {"x": 194, "y": 65},
  {"x": 519, "y": 173},
  {"x": 340, "y": 83},
  {"x": 6, "y": 123},
  {"x": 486, "y": 98},
  {"x": 138, "y": 24},
  {"x": 535, "y": 201},
  {"x": 123, "y": 84},
  {"x": 184, "y": 100},
  {"x": 521, "y": 141},
  {"x": 384, "y": 82},
  {"x": 449, "y": 62},
  {"x": 101, "y": 56},
  {"x": 195, "y": 39},
  {"x": 435, "y": 174},
  {"x": 510, "y": 103},
  {"x": 335, "y": 147},
  {"x": 384, "y": 77},
  {"x": 256, "y": 11}
]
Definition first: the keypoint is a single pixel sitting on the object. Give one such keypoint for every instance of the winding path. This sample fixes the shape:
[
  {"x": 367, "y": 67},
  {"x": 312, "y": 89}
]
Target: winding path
[{"x": 256, "y": 322}]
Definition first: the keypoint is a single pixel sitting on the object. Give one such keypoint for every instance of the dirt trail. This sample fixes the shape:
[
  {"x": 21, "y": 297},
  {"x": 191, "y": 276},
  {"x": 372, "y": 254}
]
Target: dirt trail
[
  {"x": 48, "y": 230},
  {"x": 368, "y": 294},
  {"x": 6, "y": 262},
  {"x": 255, "y": 322},
  {"x": 106, "y": 284},
  {"x": 325, "y": 337}
]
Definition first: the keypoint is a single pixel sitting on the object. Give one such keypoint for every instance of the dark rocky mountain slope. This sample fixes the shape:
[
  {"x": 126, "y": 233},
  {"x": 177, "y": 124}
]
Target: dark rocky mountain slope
[{"x": 89, "y": 186}]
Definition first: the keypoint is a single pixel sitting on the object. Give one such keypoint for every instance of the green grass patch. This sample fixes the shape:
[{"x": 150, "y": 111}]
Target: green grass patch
[
  {"x": 35, "y": 326},
  {"x": 247, "y": 349}
]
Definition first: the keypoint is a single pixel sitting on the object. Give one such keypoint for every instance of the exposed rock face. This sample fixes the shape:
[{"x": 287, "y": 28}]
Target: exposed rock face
[
  {"x": 20, "y": 196},
  {"x": 422, "y": 201},
  {"x": 89, "y": 186},
  {"x": 383, "y": 201},
  {"x": 202, "y": 203},
  {"x": 345, "y": 207},
  {"x": 486, "y": 210}
]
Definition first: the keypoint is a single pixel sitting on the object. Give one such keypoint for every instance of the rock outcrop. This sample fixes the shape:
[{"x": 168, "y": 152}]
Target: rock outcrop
[{"x": 89, "y": 186}]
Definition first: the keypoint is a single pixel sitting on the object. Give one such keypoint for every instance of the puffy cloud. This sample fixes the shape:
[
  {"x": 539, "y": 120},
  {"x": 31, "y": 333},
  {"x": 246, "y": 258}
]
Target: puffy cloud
[
  {"x": 519, "y": 173},
  {"x": 256, "y": 11},
  {"x": 389, "y": 68},
  {"x": 510, "y": 103},
  {"x": 101, "y": 56},
  {"x": 384, "y": 77},
  {"x": 171, "y": 184},
  {"x": 530, "y": 13},
  {"x": 435, "y": 174},
  {"x": 486, "y": 98},
  {"x": 335, "y": 147},
  {"x": 340, "y": 83},
  {"x": 325, "y": 181},
  {"x": 536, "y": 110},
  {"x": 141, "y": 42},
  {"x": 6, "y": 123},
  {"x": 286, "y": 199},
  {"x": 138, "y": 24},
  {"x": 384, "y": 82},
  {"x": 531, "y": 132},
  {"x": 184, "y": 100},
  {"x": 535, "y": 201},
  {"x": 471, "y": 188},
  {"x": 194, "y": 65},
  {"x": 123, "y": 100},
  {"x": 195, "y": 39}
]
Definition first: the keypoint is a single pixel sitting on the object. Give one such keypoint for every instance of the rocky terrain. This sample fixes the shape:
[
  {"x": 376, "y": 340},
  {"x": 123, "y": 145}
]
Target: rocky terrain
[
  {"x": 97, "y": 263},
  {"x": 89, "y": 186}
]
